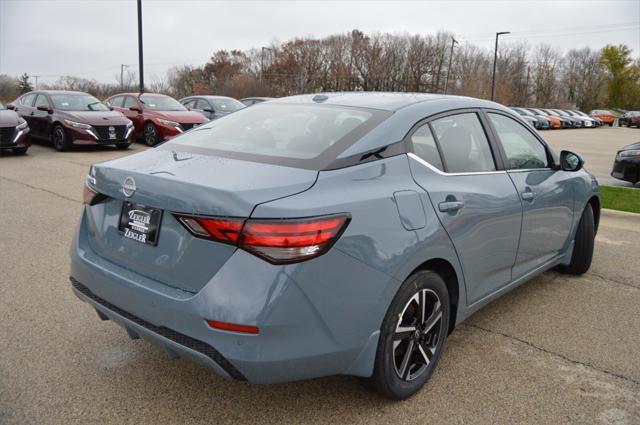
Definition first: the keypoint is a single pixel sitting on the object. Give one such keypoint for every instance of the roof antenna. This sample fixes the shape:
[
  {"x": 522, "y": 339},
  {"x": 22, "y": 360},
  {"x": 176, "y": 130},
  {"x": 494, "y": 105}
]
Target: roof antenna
[{"x": 320, "y": 98}]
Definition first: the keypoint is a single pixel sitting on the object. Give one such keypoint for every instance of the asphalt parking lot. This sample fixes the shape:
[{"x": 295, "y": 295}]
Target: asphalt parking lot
[{"x": 556, "y": 350}]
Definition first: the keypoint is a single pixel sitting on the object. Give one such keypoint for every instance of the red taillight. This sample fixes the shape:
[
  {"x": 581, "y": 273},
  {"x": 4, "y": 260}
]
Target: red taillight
[
  {"x": 288, "y": 241},
  {"x": 277, "y": 241},
  {"x": 90, "y": 196},
  {"x": 254, "y": 330}
]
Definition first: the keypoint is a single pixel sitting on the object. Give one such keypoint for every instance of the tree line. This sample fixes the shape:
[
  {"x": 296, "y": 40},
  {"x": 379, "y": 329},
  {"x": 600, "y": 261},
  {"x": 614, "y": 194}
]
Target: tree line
[{"x": 539, "y": 76}]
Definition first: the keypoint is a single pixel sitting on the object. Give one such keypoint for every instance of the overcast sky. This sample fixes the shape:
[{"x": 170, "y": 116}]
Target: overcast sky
[{"x": 92, "y": 38}]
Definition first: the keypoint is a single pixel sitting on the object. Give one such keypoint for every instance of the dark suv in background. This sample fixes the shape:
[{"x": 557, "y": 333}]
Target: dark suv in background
[
  {"x": 156, "y": 117},
  {"x": 68, "y": 118},
  {"x": 13, "y": 131}
]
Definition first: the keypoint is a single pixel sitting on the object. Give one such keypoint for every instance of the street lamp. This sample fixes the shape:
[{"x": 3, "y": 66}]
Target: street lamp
[
  {"x": 262, "y": 60},
  {"x": 446, "y": 82},
  {"x": 140, "y": 65},
  {"x": 495, "y": 59},
  {"x": 122, "y": 67}
]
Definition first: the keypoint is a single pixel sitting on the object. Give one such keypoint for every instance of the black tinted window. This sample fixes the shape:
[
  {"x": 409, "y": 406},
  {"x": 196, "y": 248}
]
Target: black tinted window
[
  {"x": 425, "y": 147},
  {"x": 464, "y": 144}
]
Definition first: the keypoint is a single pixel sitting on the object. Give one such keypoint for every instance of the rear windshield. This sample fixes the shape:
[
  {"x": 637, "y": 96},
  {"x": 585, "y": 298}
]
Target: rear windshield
[{"x": 295, "y": 135}]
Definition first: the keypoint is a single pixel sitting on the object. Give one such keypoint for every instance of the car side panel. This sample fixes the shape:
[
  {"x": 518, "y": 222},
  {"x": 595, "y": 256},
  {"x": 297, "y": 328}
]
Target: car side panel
[
  {"x": 375, "y": 237},
  {"x": 546, "y": 219}
]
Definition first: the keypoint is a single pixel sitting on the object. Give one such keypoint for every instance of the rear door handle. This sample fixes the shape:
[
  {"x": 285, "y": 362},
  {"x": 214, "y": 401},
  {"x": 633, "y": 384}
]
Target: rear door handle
[
  {"x": 451, "y": 206},
  {"x": 528, "y": 195}
]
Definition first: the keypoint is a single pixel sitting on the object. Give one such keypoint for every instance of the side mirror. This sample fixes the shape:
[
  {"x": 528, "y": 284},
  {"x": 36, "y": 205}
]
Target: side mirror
[
  {"x": 44, "y": 108},
  {"x": 570, "y": 161},
  {"x": 209, "y": 110},
  {"x": 135, "y": 109},
  {"x": 110, "y": 107},
  {"x": 11, "y": 107}
]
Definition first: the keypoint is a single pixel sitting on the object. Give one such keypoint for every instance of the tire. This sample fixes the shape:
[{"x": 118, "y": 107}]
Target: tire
[
  {"x": 20, "y": 151},
  {"x": 150, "y": 134},
  {"x": 123, "y": 147},
  {"x": 397, "y": 375},
  {"x": 59, "y": 138},
  {"x": 584, "y": 241}
]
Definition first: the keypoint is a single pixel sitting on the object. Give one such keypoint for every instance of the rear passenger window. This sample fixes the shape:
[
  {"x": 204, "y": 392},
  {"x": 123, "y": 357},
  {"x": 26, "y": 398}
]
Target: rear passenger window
[
  {"x": 463, "y": 143},
  {"x": 425, "y": 146},
  {"x": 523, "y": 149}
]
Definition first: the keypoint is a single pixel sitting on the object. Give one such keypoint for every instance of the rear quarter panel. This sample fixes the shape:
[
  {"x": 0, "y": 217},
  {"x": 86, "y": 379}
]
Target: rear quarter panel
[{"x": 375, "y": 238}]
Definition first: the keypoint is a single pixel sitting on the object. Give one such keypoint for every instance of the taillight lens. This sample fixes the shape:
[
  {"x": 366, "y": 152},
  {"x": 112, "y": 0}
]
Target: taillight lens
[
  {"x": 90, "y": 196},
  {"x": 287, "y": 241},
  {"x": 280, "y": 241}
]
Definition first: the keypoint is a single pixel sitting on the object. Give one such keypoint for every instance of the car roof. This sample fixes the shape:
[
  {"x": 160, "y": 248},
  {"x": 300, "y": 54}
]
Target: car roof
[
  {"x": 57, "y": 92},
  {"x": 387, "y": 101},
  {"x": 208, "y": 96}
]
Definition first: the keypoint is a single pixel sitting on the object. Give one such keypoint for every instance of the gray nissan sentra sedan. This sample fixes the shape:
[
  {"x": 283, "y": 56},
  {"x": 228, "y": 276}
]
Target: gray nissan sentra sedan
[{"x": 344, "y": 233}]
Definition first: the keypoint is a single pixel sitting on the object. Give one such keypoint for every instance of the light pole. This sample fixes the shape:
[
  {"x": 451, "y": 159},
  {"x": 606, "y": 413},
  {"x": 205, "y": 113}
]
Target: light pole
[
  {"x": 36, "y": 78},
  {"x": 140, "y": 64},
  {"x": 446, "y": 82},
  {"x": 122, "y": 67},
  {"x": 262, "y": 59},
  {"x": 495, "y": 59}
]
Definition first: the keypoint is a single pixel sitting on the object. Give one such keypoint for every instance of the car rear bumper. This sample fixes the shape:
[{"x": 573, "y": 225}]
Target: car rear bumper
[
  {"x": 307, "y": 327},
  {"x": 174, "y": 343}
]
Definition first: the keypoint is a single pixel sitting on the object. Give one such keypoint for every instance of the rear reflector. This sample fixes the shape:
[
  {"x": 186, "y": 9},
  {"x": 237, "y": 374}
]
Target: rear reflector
[
  {"x": 278, "y": 241},
  {"x": 254, "y": 330}
]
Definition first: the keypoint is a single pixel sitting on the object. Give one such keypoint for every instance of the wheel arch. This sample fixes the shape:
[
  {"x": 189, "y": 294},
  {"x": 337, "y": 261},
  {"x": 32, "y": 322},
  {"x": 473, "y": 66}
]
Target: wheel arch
[{"x": 446, "y": 270}]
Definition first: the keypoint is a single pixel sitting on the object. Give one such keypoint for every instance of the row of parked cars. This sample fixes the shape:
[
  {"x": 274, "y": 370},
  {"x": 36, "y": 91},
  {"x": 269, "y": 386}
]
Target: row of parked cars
[
  {"x": 68, "y": 118},
  {"x": 546, "y": 119}
]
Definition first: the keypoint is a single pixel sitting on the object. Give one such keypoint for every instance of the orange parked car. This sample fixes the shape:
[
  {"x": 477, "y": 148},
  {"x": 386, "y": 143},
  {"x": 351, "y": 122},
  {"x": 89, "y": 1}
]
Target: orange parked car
[{"x": 607, "y": 117}]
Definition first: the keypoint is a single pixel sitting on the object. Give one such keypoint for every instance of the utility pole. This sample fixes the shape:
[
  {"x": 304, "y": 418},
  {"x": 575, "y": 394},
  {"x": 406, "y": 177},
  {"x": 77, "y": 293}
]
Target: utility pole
[
  {"x": 122, "y": 67},
  {"x": 446, "y": 82},
  {"x": 140, "y": 55},
  {"x": 526, "y": 87},
  {"x": 36, "y": 78},
  {"x": 262, "y": 60},
  {"x": 495, "y": 60}
]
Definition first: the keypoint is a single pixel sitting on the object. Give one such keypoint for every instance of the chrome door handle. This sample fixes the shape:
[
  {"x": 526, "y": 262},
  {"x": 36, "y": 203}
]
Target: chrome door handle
[
  {"x": 451, "y": 206},
  {"x": 528, "y": 195}
]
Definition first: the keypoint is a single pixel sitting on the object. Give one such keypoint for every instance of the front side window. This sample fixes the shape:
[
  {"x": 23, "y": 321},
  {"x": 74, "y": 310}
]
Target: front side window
[
  {"x": 463, "y": 143},
  {"x": 77, "y": 102},
  {"x": 290, "y": 132},
  {"x": 41, "y": 100},
  {"x": 116, "y": 101},
  {"x": 202, "y": 105},
  {"x": 523, "y": 149},
  {"x": 129, "y": 101},
  {"x": 161, "y": 103},
  {"x": 424, "y": 145}
]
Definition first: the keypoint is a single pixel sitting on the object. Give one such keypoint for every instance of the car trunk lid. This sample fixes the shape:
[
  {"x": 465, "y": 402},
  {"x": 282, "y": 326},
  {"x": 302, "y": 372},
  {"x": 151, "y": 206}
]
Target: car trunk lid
[{"x": 178, "y": 182}]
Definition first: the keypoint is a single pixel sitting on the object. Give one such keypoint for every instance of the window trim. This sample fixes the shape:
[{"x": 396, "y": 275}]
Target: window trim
[
  {"x": 496, "y": 153},
  {"x": 551, "y": 163}
]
